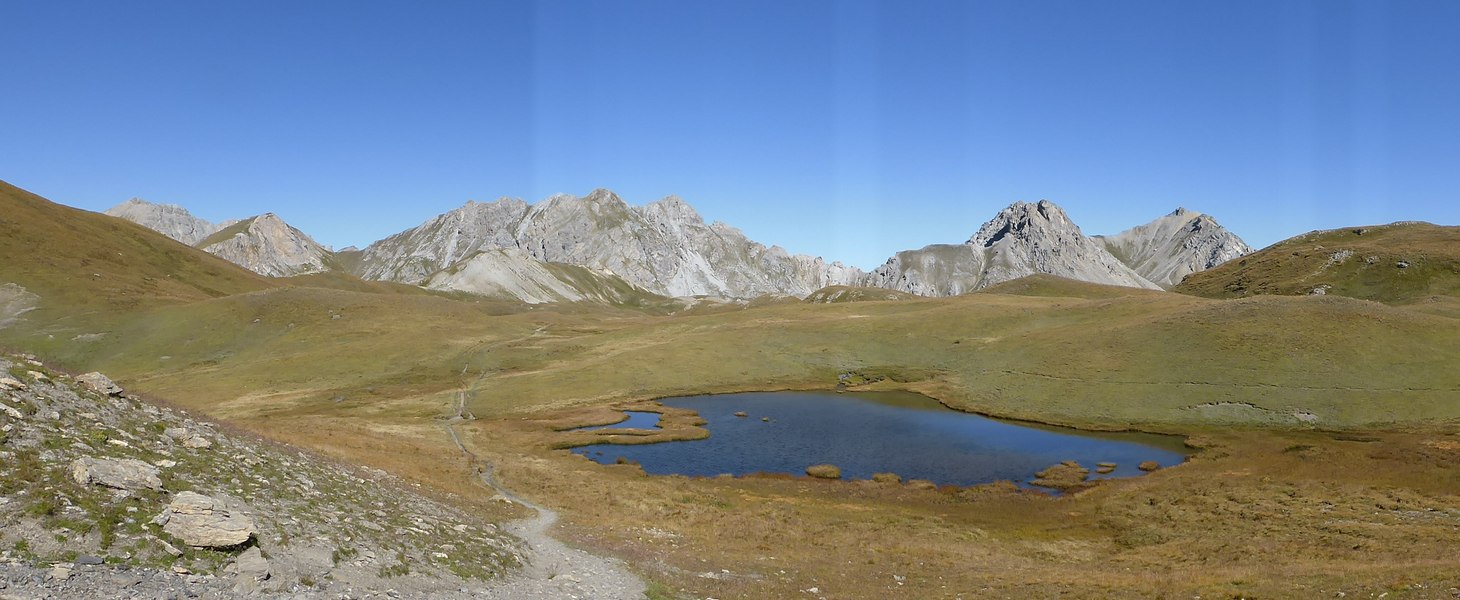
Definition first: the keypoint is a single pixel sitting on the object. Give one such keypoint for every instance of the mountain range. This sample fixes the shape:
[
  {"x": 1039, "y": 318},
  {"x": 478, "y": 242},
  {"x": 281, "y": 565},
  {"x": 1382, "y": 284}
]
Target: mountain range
[{"x": 599, "y": 248}]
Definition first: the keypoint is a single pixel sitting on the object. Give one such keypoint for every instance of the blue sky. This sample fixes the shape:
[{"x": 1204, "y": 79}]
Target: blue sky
[{"x": 839, "y": 128}]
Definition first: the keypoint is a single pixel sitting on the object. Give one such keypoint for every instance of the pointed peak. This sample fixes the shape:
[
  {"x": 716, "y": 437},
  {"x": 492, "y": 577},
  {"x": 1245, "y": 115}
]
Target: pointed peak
[
  {"x": 674, "y": 207},
  {"x": 671, "y": 200},
  {"x": 602, "y": 194}
]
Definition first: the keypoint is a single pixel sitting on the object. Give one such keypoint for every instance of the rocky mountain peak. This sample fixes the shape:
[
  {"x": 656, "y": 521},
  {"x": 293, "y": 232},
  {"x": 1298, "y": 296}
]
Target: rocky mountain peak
[
  {"x": 664, "y": 247},
  {"x": 1168, "y": 249},
  {"x": 170, "y": 220},
  {"x": 1022, "y": 239},
  {"x": 266, "y": 245}
]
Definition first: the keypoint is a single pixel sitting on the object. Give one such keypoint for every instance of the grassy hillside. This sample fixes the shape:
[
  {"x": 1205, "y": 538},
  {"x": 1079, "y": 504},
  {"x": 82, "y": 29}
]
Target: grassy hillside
[
  {"x": 92, "y": 262},
  {"x": 833, "y": 294},
  {"x": 1402, "y": 262},
  {"x": 226, "y": 233},
  {"x": 367, "y": 371},
  {"x": 1150, "y": 359},
  {"x": 1051, "y": 286},
  {"x": 187, "y": 325}
]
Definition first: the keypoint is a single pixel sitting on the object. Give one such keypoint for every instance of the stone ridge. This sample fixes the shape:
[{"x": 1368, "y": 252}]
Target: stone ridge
[
  {"x": 664, "y": 246},
  {"x": 1169, "y": 248},
  {"x": 1023, "y": 239},
  {"x": 170, "y": 220}
]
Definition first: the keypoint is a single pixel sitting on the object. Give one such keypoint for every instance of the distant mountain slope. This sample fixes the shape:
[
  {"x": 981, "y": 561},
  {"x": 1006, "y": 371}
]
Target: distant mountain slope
[
  {"x": 1024, "y": 239},
  {"x": 1176, "y": 245},
  {"x": 170, "y": 220},
  {"x": 516, "y": 275},
  {"x": 836, "y": 294},
  {"x": 76, "y": 260},
  {"x": 1387, "y": 263},
  {"x": 268, "y": 246},
  {"x": 664, "y": 247},
  {"x": 1052, "y": 286}
]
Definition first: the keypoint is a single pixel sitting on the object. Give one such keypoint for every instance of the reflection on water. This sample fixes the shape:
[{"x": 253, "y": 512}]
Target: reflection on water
[{"x": 877, "y": 432}]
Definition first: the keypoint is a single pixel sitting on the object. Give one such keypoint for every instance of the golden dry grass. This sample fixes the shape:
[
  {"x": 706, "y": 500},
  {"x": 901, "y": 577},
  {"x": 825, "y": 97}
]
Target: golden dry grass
[{"x": 1257, "y": 514}]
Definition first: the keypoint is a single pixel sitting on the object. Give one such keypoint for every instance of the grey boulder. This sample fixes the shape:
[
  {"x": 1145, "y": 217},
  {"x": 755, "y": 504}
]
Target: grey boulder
[
  {"x": 100, "y": 383},
  {"x": 207, "y": 522},
  {"x": 124, "y": 474}
]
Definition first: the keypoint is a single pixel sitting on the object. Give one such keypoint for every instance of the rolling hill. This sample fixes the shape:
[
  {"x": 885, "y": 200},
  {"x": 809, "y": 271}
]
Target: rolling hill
[
  {"x": 80, "y": 262},
  {"x": 1397, "y": 263}
]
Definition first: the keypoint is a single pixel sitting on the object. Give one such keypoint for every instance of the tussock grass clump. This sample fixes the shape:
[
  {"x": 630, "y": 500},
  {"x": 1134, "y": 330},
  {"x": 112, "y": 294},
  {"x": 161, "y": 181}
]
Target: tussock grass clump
[
  {"x": 824, "y": 471},
  {"x": 1063, "y": 476}
]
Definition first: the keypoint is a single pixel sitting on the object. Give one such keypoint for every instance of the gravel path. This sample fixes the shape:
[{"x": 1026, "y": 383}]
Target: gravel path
[{"x": 553, "y": 569}]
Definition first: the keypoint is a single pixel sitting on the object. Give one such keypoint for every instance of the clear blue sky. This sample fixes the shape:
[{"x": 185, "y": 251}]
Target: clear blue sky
[{"x": 840, "y": 128}]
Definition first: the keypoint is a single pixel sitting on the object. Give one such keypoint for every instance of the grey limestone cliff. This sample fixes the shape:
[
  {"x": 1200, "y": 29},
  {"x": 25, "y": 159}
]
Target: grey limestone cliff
[
  {"x": 1168, "y": 249},
  {"x": 170, "y": 220},
  {"x": 664, "y": 246},
  {"x": 268, "y": 246},
  {"x": 1024, "y": 239}
]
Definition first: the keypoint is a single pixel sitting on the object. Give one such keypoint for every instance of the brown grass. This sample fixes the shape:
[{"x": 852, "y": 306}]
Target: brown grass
[{"x": 1243, "y": 519}]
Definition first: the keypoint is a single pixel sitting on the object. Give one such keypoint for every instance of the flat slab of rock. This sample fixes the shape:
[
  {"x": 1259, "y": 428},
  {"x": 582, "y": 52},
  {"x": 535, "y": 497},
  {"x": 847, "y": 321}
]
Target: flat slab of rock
[
  {"x": 100, "y": 383},
  {"x": 206, "y": 522},
  {"x": 124, "y": 474}
]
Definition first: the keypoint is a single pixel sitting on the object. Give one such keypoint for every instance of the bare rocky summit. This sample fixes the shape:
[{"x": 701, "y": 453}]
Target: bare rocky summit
[
  {"x": 1168, "y": 249},
  {"x": 664, "y": 247},
  {"x": 264, "y": 244},
  {"x": 268, "y": 246},
  {"x": 528, "y": 252},
  {"x": 1024, "y": 239},
  {"x": 170, "y": 220},
  {"x": 105, "y": 496}
]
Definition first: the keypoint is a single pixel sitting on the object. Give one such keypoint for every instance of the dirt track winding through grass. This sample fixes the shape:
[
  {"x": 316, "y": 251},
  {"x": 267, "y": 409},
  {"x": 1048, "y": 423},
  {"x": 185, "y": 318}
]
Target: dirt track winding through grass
[{"x": 554, "y": 570}]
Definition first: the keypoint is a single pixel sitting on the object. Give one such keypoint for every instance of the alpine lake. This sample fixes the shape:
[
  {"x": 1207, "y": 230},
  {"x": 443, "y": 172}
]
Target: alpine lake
[{"x": 864, "y": 433}]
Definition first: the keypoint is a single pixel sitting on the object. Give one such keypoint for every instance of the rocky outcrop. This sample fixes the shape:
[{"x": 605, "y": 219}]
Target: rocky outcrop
[
  {"x": 515, "y": 275},
  {"x": 99, "y": 383},
  {"x": 268, "y": 246},
  {"x": 1168, "y": 249},
  {"x": 205, "y": 522},
  {"x": 251, "y": 568},
  {"x": 187, "y": 437},
  {"x": 309, "y": 519},
  {"x": 1024, "y": 239},
  {"x": 170, "y": 220},
  {"x": 127, "y": 474},
  {"x": 664, "y": 247}
]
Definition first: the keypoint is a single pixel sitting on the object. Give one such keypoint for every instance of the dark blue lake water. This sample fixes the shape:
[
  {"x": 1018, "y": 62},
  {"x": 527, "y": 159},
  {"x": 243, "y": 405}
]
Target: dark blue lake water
[{"x": 876, "y": 432}]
